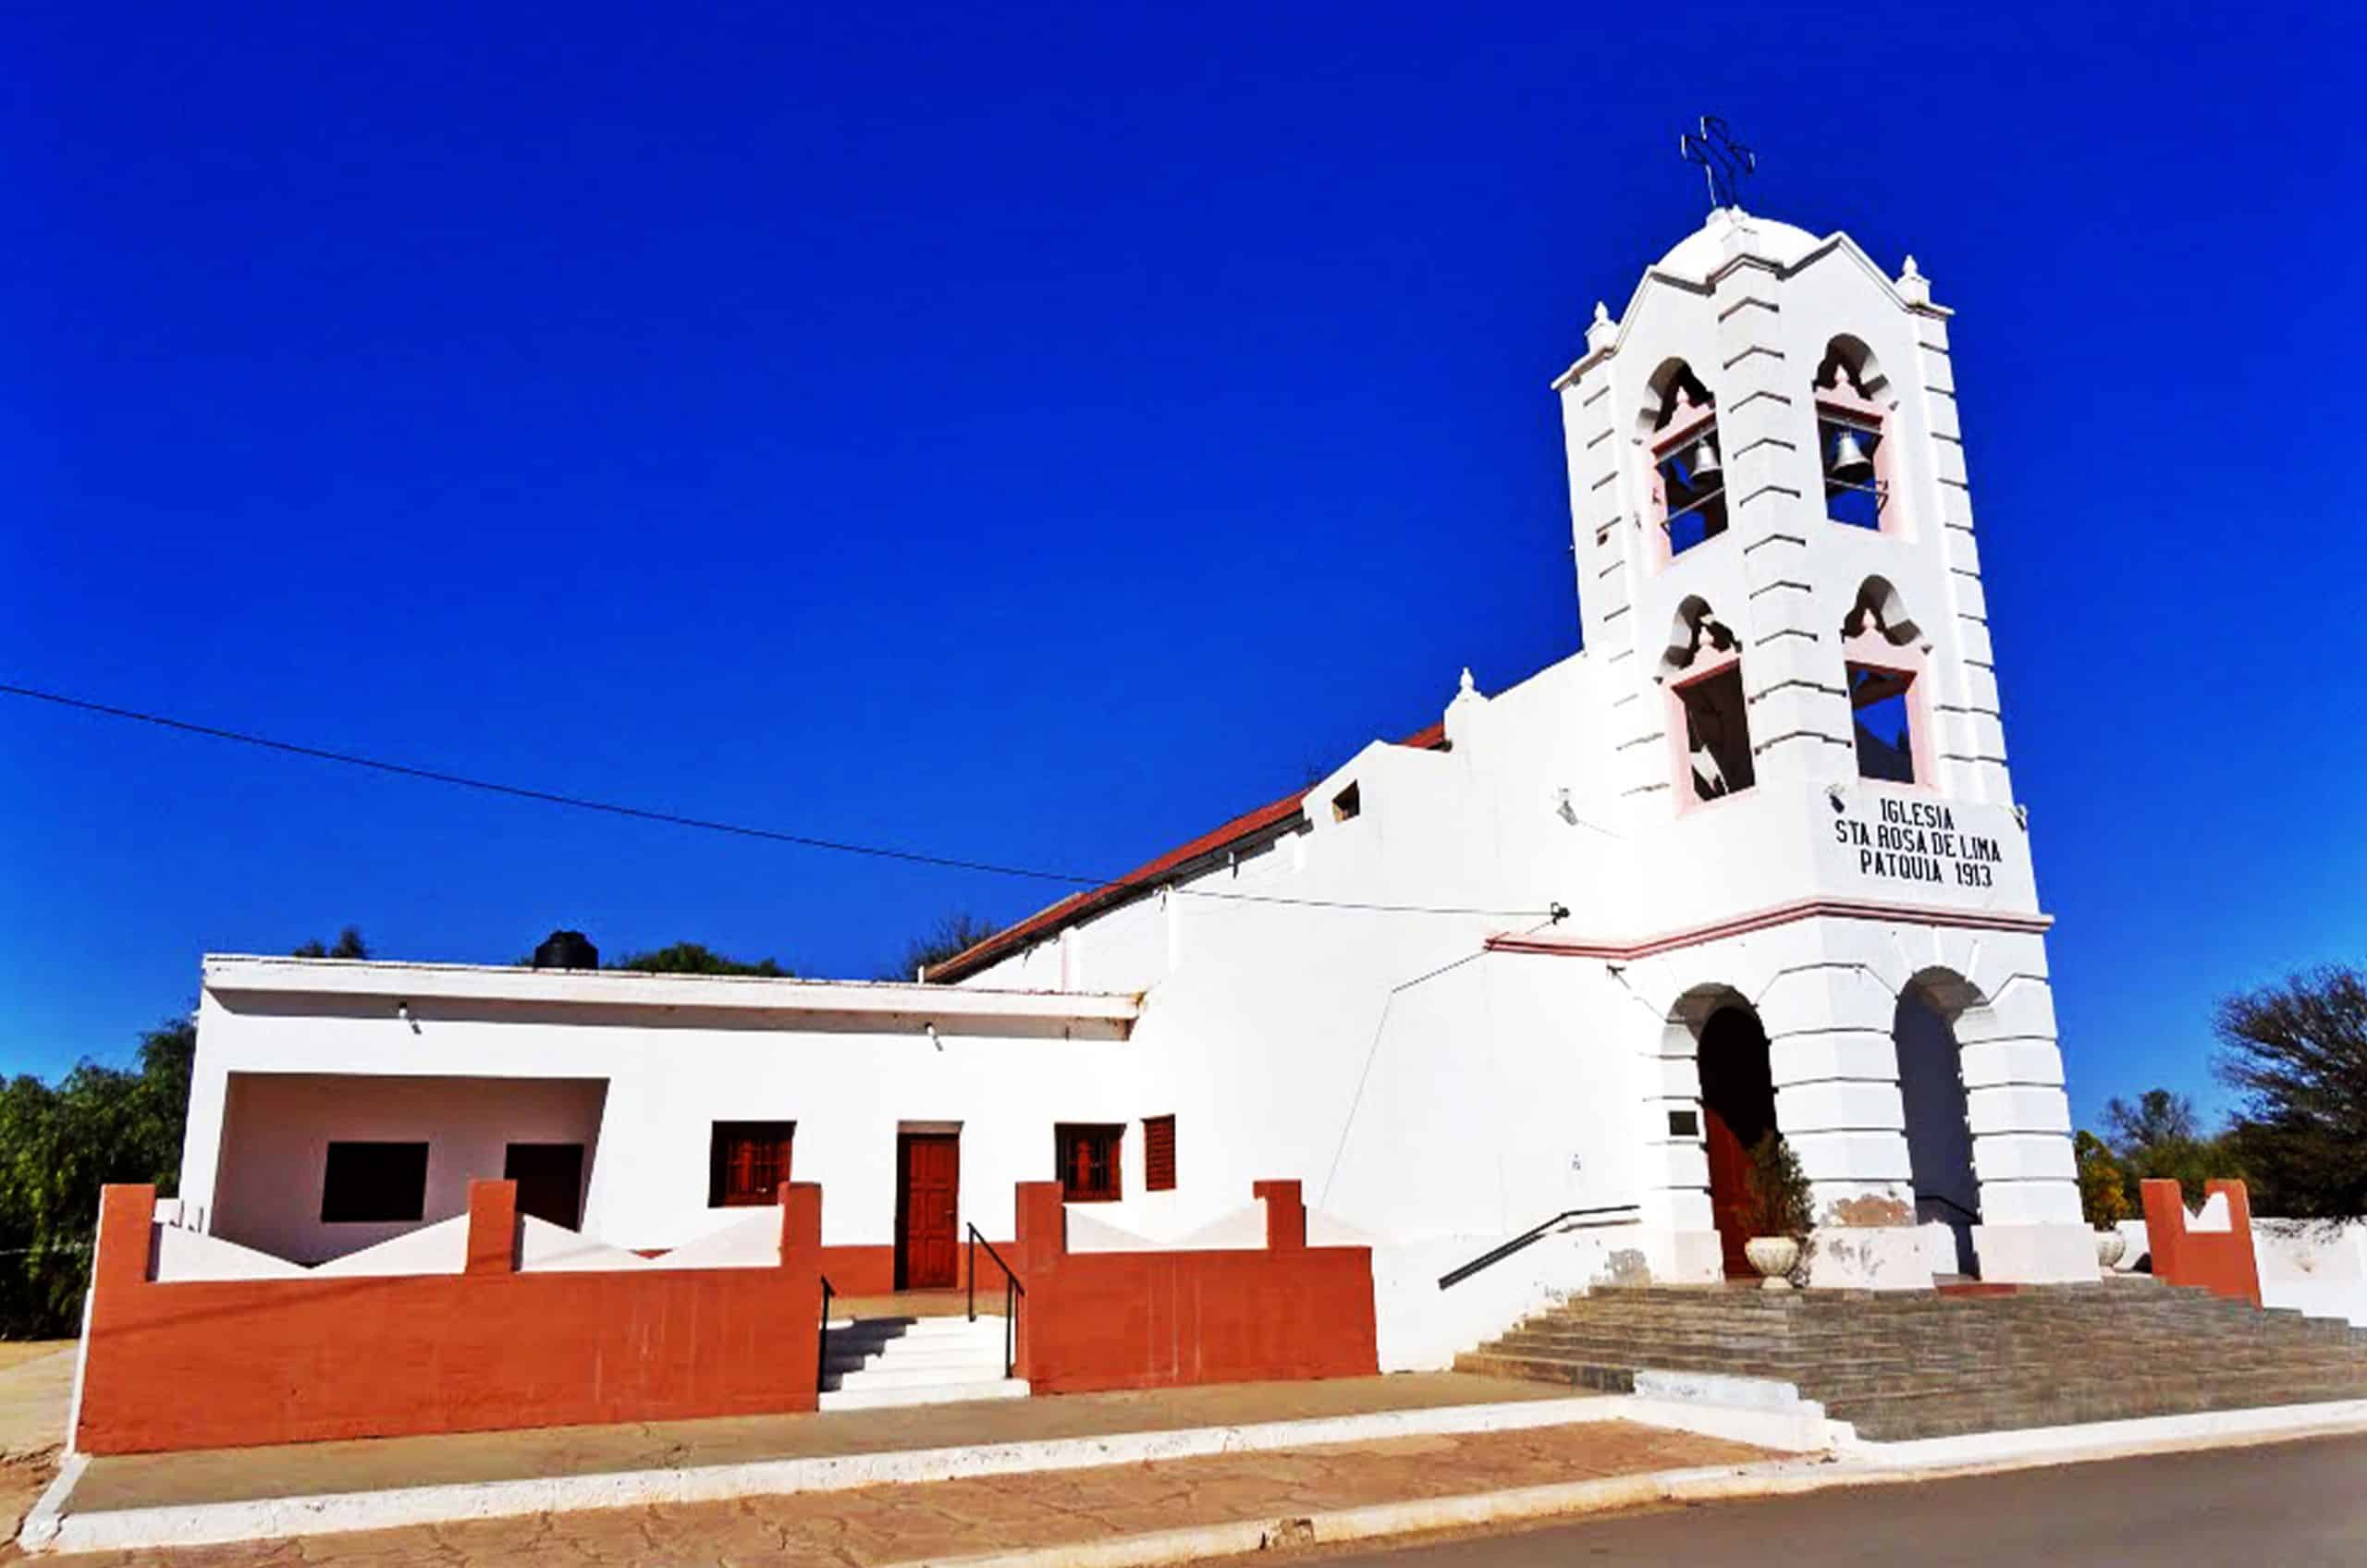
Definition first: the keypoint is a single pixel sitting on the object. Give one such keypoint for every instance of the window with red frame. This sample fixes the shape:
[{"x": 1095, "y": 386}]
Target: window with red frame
[
  {"x": 1088, "y": 1162},
  {"x": 747, "y": 1161},
  {"x": 1158, "y": 1154}
]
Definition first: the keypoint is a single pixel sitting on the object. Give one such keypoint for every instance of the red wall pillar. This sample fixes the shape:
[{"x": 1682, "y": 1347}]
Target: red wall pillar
[
  {"x": 126, "y": 1216},
  {"x": 1285, "y": 1216},
  {"x": 1039, "y": 1239},
  {"x": 493, "y": 1228},
  {"x": 2220, "y": 1263},
  {"x": 801, "y": 1223}
]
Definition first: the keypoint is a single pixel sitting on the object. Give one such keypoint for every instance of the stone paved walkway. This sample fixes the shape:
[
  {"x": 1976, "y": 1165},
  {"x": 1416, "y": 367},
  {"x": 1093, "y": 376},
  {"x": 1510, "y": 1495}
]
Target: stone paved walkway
[{"x": 878, "y": 1525}]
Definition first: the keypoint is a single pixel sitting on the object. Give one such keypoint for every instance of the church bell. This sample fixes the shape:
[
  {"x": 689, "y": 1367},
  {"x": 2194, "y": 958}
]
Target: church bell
[
  {"x": 1850, "y": 464},
  {"x": 1705, "y": 463}
]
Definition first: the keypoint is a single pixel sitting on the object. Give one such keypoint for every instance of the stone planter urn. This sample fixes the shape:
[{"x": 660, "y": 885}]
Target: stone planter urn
[
  {"x": 2111, "y": 1245},
  {"x": 1774, "y": 1257}
]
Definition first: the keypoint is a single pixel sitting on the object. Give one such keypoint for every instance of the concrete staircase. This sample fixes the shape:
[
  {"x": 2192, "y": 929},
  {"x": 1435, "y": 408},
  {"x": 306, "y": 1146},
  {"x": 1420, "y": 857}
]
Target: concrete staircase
[
  {"x": 1920, "y": 1364},
  {"x": 870, "y": 1362}
]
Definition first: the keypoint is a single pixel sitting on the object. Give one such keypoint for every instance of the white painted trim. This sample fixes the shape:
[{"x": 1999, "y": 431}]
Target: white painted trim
[{"x": 230, "y": 974}]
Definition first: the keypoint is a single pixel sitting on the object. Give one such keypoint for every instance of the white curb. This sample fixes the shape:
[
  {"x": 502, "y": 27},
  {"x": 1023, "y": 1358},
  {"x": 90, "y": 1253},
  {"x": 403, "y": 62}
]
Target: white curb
[
  {"x": 1841, "y": 1459},
  {"x": 2115, "y": 1440},
  {"x": 1869, "y": 1464}
]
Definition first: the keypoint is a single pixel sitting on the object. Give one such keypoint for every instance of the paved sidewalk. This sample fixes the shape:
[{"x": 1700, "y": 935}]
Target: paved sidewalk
[
  {"x": 304, "y": 1469},
  {"x": 874, "y": 1526}
]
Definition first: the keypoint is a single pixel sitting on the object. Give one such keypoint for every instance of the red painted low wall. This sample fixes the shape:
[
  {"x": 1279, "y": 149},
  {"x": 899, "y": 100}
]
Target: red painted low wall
[
  {"x": 1163, "y": 1319},
  {"x": 221, "y": 1364},
  {"x": 2220, "y": 1261}
]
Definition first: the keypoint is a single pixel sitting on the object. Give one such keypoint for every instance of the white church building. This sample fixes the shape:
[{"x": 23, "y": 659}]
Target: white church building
[{"x": 1751, "y": 861}]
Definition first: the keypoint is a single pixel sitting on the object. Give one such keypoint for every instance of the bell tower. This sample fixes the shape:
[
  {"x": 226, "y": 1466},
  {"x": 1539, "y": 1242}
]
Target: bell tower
[
  {"x": 1791, "y": 674},
  {"x": 1773, "y": 529}
]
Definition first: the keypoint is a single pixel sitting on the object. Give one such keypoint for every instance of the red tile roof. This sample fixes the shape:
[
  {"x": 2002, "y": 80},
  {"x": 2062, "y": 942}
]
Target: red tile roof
[{"x": 1079, "y": 907}]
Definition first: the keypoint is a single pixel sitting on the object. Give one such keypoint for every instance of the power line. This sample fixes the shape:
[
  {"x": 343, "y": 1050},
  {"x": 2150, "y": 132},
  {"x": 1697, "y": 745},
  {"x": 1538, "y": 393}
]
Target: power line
[
  {"x": 548, "y": 797},
  {"x": 708, "y": 825}
]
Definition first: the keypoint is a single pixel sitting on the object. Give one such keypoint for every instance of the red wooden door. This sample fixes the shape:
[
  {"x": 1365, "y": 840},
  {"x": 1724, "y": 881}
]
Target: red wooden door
[
  {"x": 1729, "y": 1191},
  {"x": 1738, "y": 1109},
  {"x": 928, "y": 1199}
]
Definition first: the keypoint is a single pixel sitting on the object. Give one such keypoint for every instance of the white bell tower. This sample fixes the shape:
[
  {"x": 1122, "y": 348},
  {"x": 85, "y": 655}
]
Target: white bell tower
[{"x": 1782, "y": 611}]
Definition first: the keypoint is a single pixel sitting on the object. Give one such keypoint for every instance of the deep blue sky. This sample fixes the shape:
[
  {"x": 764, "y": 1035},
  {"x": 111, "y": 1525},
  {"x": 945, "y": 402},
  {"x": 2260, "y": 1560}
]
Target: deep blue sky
[{"x": 1039, "y": 435}]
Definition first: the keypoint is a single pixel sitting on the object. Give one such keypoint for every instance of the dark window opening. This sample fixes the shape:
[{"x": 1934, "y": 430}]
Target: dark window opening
[
  {"x": 1717, "y": 734},
  {"x": 366, "y": 1183},
  {"x": 1087, "y": 1157},
  {"x": 1347, "y": 803},
  {"x": 1684, "y": 1124},
  {"x": 1885, "y": 723},
  {"x": 1852, "y": 494},
  {"x": 1158, "y": 1154},
  {"x": 550, "y": 1181},
  {"x": 747, "y": 1161},
  {"x": 1692, "y": 488}
]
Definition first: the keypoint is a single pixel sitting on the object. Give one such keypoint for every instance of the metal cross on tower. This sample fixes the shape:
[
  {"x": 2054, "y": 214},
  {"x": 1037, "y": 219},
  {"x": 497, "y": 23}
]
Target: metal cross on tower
[{"x": 1724, "y": 162}]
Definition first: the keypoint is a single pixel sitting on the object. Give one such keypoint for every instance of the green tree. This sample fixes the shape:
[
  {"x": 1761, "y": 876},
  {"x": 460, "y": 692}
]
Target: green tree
[
  {"x": 349, "y": 944},
  {"x": 954, "y": 933},
  {"x": 58, "y": 1144},
  {"x": 2296, "y": 1053},
  {"x": 2159, "y": 1138},
  {"x": 694, "y": 958},
  {"x": 2104, "y": 1182},
  {"x": 1782, "y": 1202}
]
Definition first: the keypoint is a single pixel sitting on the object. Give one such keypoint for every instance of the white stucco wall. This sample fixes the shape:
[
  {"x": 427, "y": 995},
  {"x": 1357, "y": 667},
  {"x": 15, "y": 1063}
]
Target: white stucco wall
[
  {"x": 281, "y": 1125},
  {"x": 640, "y": 1087}
]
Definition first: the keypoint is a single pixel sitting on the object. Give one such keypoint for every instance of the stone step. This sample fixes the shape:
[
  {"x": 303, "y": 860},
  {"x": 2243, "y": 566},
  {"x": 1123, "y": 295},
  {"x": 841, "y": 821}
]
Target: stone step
[
  {"x": 897, "y": 1374},
  {"x": 1919, "y": 1363},
  {"x": 875, "y": 1398},
  {"x": 2297, "y": 1332},
  {"x": 2132, "y": 1357},
  {"x": 925, "y": 1352},
  {"x": 2118, "y": 1366},
  {"x": 1902, "y": 1417}
]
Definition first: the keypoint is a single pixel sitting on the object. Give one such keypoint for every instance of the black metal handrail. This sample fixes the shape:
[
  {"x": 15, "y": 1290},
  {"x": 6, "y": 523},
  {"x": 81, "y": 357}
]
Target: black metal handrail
[
  {"x": 1972, "y": 1215},
  {"x": 1527, "y": 1238},
  {"x": 822, "y": 1341},
  {"x": 1011, "y": 1291}
]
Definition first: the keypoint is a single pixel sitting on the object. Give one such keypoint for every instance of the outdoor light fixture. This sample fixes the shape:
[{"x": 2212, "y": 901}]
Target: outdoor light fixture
[
  {"x": 933, "y": 1040},
  {"x": 403, "y": 1010}
]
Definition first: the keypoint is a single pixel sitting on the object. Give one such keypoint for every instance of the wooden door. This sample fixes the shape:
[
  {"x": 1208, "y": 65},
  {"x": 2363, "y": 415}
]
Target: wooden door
[
  {"x": 1729, "y": 1191},
  {"x": 928, "y": 1191},
  {"x": 1738, "y": 1109},
  {"x": 550, "y": 1181}
]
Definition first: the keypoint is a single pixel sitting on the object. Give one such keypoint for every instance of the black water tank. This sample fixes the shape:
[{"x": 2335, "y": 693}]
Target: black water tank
[{"x": 566, "y": 950}]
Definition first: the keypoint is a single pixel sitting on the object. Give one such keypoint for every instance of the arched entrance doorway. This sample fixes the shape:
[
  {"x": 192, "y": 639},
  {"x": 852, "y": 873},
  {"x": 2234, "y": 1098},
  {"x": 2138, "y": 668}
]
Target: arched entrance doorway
[
  {"x": 1939, "y": 1128},
  {"x": 1738, "y": 1109}
]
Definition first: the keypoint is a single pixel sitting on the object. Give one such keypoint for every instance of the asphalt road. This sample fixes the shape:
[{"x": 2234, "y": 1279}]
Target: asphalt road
[{"x": 2279, "y": 1505}]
